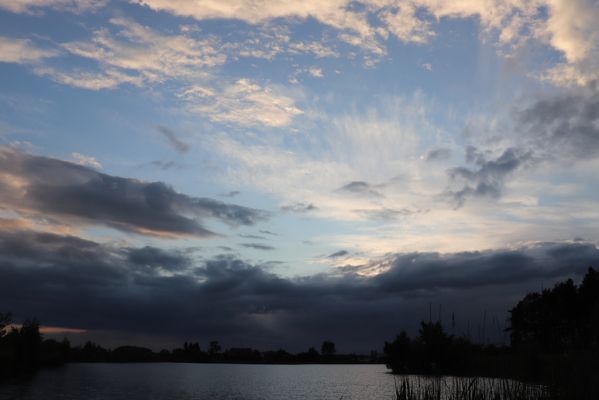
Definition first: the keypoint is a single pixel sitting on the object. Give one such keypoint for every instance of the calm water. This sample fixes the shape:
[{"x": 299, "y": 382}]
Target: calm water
[{"x": 204, "y": 381}]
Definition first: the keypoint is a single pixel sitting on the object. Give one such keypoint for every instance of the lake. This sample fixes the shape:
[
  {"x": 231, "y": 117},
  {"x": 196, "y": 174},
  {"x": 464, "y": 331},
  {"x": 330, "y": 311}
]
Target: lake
[{"x": 203, "y": 381}]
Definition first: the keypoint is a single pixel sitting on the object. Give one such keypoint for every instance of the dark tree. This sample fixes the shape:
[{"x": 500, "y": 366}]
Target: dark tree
[
  {"x": 399, "y": 354},
  {"x": 214, "y": 347},
  {"x": 563, "y": 318},
  {"x": 327, "y": 348}
]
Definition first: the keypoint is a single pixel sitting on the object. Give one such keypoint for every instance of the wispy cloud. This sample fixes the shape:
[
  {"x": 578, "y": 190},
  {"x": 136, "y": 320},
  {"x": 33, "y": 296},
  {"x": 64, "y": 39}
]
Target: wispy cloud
[
  {"x": 173, "y": 140},
  {"x": 244, "y": 103},
  {"x": 151, "y": 55},
  {"x": 36, "y": 6},
  {"x": 258, "y": 246},
  {"x": 23, "y": 51},
  {"x": 299, "y": 207}
]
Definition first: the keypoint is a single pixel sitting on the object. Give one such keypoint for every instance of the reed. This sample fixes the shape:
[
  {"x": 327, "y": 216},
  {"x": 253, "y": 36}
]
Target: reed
[{"x": 413, "y": 387}]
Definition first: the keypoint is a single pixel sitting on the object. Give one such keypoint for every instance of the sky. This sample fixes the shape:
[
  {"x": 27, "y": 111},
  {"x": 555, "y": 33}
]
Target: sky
[{"x": 274, "y": 174}]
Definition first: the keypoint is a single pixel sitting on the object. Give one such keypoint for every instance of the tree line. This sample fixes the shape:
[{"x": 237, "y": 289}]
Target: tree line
[
  {"x": 24, "y": 350},
  {"x": 554, "y": 338}
]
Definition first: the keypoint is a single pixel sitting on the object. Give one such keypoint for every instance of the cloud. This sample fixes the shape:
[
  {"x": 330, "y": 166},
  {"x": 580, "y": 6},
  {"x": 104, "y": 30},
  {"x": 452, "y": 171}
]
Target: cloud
[
  {"x": 258, "y": 246},
  {"x": 164, "y": 165},
  {"x": 299, "y": 207},
  {"x": 23, "y": 51},
  {"x": 173, "y": 140},
  {"x": 86, "y": 160},
  {"x": 572, "y": 27},
  {"x": 318, "y": 49},
  {"x": 360, "y": 188},
  {"x": 434, "y": 271},
  {"x": 243, "y": 103},
  {"x": 232, "y": 193},
  {"x": 488, "y": 177},
  {"x": 567, "y": 26},
  {"x": 563, "y": 125},
  {"x": 69, "y": 281},
  {"x": 439, "y": 154},
  {"x": 389, "y": 214},
  {"x": 340, "y": 253},
  {"x": 153, "y": 258},
  {"x": 333, "y": 13},
  {"x": 375, "y": 144},
  {"x": 316, "y": 72},
  {"x": 247, "y": 236},
  {"x": 107, "y": 79},
  {"x": 77, "y": 194},
  {"x": 33, "y": 6},
  {"x": 137, "y": 55}
]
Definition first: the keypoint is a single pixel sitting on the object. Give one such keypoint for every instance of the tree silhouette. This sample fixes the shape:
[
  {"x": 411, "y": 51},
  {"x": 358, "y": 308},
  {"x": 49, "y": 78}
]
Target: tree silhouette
[
  {"x": 558, "y": 319},
  {"x": 214, "y": 347},
  {"x": 327, "y": 348}
]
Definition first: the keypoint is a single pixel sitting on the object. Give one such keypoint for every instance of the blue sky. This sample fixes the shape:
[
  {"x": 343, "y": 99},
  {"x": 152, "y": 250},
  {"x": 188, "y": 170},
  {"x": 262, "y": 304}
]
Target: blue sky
[{"x": 366, "y": 129}]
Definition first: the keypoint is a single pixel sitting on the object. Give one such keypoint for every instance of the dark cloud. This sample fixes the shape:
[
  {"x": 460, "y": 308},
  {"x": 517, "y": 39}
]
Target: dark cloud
[
  {"x": 340, "y": 253},
  {"x": 173, "y": 140},
  {"x": 153, "y": 257},
  {"x": 257, "y": 246},
  {"x": 68, "y": 281},
  {"x": 52, "y": 187},
  {"x": 226, "y": 248},
  {"x": 389, "y": 214},
  {"x": 360, "y": 188},
  {"x": 257, "y": 237},
  {"x": 299, "y": 208},
  {"x": 232, "y": 193},
  {"x": 487, "y": 177},
  {"x": 164, "y": 165},
  {"x": 439, "y": 154},
  {"x": 267, "y": 232},
  {"x": 565, "y": 125}
]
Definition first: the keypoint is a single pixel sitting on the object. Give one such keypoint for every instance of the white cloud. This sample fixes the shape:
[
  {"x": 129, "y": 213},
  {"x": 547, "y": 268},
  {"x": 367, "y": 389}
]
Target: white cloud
[
  {"x": 572, "y": 28},
  {"x": 22, "y": 51},
  {"x": 316, "y": 72},
  {"x": 107, "y": 79},
  {"x": 318, "y": 49},
  {"x": 86, "y": 160},
  {"x": 376, "y": 145},
  {"x": 31, "y": 6},
  {"x": 568, "y": 26},
  {"x": 269, "y": 41},
  {"x": 244, "y": 103},
  {"x": 153, "y": 56},
  {"x": 401, "y": 21}
]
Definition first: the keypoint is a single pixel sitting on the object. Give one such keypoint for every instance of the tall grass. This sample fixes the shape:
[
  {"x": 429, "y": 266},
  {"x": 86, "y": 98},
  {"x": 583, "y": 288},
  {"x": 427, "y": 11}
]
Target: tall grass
[{"x": 454, "y": 388}]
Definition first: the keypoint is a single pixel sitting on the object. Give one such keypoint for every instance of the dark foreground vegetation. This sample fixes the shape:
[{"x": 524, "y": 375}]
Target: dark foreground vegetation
[
  {"x": 452, "y": 388},
  {"x": 554, "y": 341}
]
